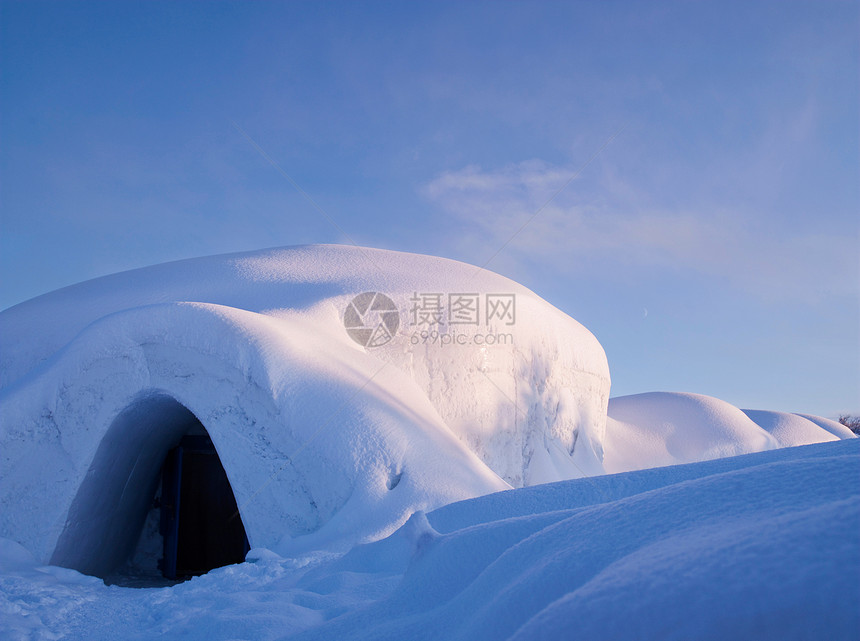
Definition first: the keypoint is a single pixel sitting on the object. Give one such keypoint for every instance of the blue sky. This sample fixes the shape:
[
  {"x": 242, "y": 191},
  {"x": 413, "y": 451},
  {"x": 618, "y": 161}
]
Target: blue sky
[{"x": 712, "y": 246}]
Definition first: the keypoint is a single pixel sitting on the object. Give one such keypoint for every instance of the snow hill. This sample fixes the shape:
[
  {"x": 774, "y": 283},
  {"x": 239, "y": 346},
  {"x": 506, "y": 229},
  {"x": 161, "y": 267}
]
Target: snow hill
[{"x": 761, "y": 546}]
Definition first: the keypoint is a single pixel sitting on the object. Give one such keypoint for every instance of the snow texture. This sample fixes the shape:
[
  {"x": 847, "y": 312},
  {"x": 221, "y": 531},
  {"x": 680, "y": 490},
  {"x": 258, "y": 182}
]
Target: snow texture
[
  {"x": 761, "y": 546},
  {"x": 326, "y": 443}
]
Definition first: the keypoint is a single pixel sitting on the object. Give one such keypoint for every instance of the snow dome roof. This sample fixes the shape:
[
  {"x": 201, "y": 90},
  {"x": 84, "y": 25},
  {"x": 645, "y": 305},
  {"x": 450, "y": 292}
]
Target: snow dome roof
[{"x": 473, "y": 384}]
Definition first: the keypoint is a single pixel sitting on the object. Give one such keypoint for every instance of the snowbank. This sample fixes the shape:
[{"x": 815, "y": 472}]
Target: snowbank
[
  {"x": 829, "y": 425},
  {"x": 758, "y": 546},
  {"x": 790, "y": 429},
  {"x": 325, "y": 442},
  {"x": 668, "y": 428}
]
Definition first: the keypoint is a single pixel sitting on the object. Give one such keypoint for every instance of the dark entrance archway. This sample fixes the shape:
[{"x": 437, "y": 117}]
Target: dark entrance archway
[
  {"x": 114, "y": 515},
  {"x": 200, "y": 521}
]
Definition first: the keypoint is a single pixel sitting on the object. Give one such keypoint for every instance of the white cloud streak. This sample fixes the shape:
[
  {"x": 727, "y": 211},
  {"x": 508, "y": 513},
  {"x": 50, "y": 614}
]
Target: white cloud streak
[{"x": 749, "y": 251}]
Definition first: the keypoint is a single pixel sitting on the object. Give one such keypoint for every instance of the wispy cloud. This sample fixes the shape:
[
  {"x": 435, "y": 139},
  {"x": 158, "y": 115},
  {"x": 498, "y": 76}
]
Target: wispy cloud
[{"x": 590, "y": 224}]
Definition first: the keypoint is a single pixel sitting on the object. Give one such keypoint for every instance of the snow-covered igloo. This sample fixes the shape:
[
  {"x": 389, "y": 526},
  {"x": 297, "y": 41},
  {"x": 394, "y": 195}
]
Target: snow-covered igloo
[{"x": 479, "y": 386}]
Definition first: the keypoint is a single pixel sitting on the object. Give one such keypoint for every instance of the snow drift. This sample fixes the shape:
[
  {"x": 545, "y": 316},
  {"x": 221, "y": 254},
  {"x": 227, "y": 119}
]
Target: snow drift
[
  {"x": 667, "y": 428},
  {"x": 325, "y": 443},
  {"x": 762, "y": 546},
  {"x": 791, "y": 429}
]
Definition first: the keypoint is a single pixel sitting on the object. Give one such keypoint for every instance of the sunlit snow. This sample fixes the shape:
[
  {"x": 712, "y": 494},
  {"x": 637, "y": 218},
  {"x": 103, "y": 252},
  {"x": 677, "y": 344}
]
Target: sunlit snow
[{"x": 448, "y": 481}]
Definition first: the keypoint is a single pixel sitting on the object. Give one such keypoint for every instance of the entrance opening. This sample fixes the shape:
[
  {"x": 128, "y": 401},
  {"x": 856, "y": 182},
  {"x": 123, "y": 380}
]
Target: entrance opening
[
  {"x": 200, "y": 521},
  {"x": 156, "y": 505}
]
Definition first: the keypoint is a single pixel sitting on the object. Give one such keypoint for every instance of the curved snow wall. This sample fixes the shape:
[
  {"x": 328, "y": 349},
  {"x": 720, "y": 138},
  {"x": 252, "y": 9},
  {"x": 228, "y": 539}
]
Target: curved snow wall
[{"x": 325, "y": 442}]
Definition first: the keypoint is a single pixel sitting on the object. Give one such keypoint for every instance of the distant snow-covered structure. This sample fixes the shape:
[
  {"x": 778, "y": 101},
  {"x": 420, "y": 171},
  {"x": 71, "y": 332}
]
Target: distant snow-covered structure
[
  {"x": 336, "y": 390},
  {"x": 656, "y": 429}
]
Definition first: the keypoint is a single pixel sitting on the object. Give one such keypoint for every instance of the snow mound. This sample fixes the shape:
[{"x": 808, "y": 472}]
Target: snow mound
[
  {"x": 759, "y": 546},
  {"x": 790, "y": 429},
  {"x": 325, "y": 442},
  {"x": 829, "y": 425},
  {"x": 666, "y": 428}
]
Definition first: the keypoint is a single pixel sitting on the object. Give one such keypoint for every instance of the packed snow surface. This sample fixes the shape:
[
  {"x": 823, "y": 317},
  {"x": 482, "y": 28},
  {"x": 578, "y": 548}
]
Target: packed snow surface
[{"x": 761, "y": 546}]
